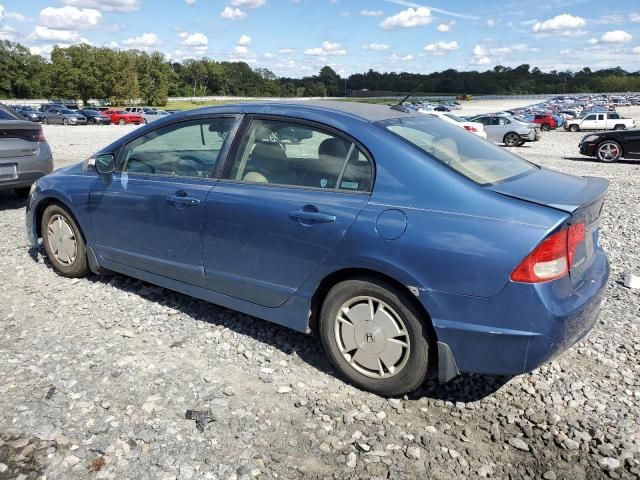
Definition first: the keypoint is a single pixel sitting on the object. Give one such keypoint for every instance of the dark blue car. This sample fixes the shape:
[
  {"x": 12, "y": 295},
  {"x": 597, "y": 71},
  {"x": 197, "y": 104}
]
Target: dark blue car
[{"x": 407, "y": 245}]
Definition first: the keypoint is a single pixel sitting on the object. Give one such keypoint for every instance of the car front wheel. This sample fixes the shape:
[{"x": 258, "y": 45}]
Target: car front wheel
[
  {"x": 122, "y": 122},
  {"x": 574, "y": 128},
  {"x": 374, "y": 335},
  {"x": 63, "y": 242}
]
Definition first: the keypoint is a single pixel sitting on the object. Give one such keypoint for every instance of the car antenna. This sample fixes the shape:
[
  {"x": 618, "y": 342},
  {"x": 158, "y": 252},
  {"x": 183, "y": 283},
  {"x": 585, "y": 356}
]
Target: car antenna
[{"x": 403, "y": 108}]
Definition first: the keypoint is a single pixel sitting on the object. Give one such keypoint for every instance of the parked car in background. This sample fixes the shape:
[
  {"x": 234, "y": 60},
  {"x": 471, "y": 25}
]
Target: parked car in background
[
  {"x": 121, "y": 117},
  {"x": 406, "y": 244},
  {"x": 546, "y": 122},
  {"x": 153, "y": 115},
  {"x": 25, "y": 155},
  {"x": 507, "y": 130},
  {"x": 30, "y": 113},
  {"x": 148, "y": 114},
  {"x": 600, "y": 121},
  {"x": 63, "y": 116},
  {"x": 95, "y": 117},
  {"x": 473, "y": 127},
  {"x": 611, "y": 146}
]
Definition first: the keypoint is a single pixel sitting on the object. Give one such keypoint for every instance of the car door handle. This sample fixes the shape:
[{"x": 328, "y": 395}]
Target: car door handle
[
  {"x": 183, "y": 200},
  {"x": 311, "y": 216}
]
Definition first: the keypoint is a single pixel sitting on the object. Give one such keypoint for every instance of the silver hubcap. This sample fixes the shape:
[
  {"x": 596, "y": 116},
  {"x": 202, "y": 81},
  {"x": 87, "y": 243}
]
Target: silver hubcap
[
  {"x": 608, "y": 151},
  {"x": 372, "y": 337},
  {"x": 62, "y": 240}
]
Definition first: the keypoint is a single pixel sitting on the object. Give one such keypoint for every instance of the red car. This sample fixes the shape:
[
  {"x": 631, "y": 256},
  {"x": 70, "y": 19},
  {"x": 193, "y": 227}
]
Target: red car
[
  {"x": 122, "y": 118},
  {"x": 546, "y": 122}
]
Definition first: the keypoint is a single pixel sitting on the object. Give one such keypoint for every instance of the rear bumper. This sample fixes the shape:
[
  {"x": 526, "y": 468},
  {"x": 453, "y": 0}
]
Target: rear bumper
[
  {"x": 29, "y": 169},
  {"x": 523, "y": 326},
  {"x": 529, "y": 137}
]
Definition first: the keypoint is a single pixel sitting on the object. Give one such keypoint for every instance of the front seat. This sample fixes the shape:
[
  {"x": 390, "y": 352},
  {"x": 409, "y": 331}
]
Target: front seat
[
  {"x": 268, "y": 164},
  {"x": 332, "y": 153}
]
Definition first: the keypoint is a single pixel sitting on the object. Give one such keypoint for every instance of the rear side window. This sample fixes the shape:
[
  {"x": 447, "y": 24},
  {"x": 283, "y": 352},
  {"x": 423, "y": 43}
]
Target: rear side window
[
  {"x": 286, "y": 153},
  {"x": 469, "y": 155},
  {"x": 614, "y": 116}
]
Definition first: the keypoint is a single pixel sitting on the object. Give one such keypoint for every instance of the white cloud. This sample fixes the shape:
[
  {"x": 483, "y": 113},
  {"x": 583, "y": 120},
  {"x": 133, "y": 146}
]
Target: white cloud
[
  {"x": 409, "y": 18},
  {"x": 8, "y": 33},
  {"x": 142, "y": 42},
  {"x": 635, "y": 17},
  {"x": 287, "y": 51},
  {"x": 399, "y": 58},
  {"x": 18, "y": 17},
  {"x": 327, "y": 49},
  {"x": 241, "y": 50},
  {"x": 198, "y": 42},
  {"x": 42, "y": 33},
  {"x": 439, "y": 48},
  {"x": 233, "y": 13},
  {"x": 377, "y": 46},
  {"x": 70, "y": 18},
  {"x": 106, "y": 5},
  {"x": 483, "y": 55},
  {"x": 636, "y": 50},
  {"x": 190, "y": 2},
  {"x": 269, "y": 55},
  {"x": 480, "y": 61},
  {"x": 562, "y": 25},
  {"x": 244, "y": 40},
  {"x": 247, "y": 3},
  {"x": 1, "y": 12},
  {"x": 616, "y": 36},
  {"x": 443, "y": 27},
  {"x": 371, "y": 13},
  {"x": 490, "y": 23}
]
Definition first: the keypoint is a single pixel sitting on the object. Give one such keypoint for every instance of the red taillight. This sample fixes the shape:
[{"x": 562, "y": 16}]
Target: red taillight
[
  {"x": 470, "y": 128},
  {"x": 552, "y": 258},
  {"x": 40, "y": 136}
]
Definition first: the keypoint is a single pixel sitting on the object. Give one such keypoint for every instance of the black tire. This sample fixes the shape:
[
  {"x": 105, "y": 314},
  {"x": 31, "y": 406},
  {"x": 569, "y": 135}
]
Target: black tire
[
  {"x": 79, "y": 267},
  {"x": 417, "y": 358},
  {"x": 91, "y": 121},
  {"x": 574, "y": 128},
  {"x": 22, "y": 192},
  {"x": 65, "y": 121},
  {"x": 610, "y": 157},
  {"x": 45, "y": 121},
  {"x": 512, "y": 139},
  {"x": 545, "y": 127},
  {"x": 619, "y": 127}
]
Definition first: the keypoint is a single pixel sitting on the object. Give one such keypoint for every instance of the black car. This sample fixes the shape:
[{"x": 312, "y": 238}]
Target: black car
[
  {"x": 612, "y": 145},
  {"x": 95, "y": 117}
]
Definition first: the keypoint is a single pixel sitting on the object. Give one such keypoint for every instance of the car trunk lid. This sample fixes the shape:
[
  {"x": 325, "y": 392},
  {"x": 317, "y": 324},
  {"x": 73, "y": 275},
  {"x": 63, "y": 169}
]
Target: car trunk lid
[
  {"x": 19, "y": 139},
  {"x": 581, "y": 197}
]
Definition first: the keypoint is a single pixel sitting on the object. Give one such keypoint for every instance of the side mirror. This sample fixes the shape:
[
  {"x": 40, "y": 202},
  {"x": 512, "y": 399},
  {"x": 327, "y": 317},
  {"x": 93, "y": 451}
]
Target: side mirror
[{"x": 105, "y": 163}]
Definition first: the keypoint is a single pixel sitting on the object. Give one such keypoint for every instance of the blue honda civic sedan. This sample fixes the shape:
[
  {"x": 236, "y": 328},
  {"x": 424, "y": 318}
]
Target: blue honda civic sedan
[{"x": 408, "y": 245}]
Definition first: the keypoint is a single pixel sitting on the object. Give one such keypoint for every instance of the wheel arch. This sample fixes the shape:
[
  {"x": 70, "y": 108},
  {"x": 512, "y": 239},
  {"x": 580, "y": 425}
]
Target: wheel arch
[
  {"x": 42, "y": 206},
  {"x": 343, "y": 274}
]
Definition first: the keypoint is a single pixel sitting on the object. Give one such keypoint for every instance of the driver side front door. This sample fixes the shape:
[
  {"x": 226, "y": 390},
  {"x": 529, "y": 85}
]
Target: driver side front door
[{"x": 148, "y": 214}]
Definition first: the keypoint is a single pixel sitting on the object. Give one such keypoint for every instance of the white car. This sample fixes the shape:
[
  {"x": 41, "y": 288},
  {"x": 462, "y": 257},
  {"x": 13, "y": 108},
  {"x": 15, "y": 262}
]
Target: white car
[
  {"x": 475, "y": 128},
  {"x": 600, "y": 121}
]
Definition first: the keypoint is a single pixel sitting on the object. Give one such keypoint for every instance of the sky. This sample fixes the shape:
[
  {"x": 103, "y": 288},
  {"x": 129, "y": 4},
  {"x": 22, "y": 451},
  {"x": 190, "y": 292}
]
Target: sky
[{"x": 298, "y": 37}]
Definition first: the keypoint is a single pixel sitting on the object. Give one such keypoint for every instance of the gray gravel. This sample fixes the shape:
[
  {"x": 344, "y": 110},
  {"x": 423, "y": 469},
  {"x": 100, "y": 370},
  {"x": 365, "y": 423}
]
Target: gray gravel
[{"x": 115, "y": 378}]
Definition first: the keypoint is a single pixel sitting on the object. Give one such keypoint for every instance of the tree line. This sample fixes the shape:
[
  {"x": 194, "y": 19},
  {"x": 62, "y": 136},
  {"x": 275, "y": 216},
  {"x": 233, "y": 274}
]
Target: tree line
[{"x": 120, "y": 76}]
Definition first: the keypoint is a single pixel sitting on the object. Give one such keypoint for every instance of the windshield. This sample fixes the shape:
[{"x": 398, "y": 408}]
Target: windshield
[
  {"x": 68, "y": 112},
  {"x": 469, "y": 155}
]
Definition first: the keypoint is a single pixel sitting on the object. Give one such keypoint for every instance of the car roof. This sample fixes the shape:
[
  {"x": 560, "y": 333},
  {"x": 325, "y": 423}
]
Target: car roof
[{"x": 363, "y": 111}]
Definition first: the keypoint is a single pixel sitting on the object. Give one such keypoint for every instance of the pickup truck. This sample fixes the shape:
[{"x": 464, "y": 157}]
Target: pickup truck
[{"x": 600, "y": 121}]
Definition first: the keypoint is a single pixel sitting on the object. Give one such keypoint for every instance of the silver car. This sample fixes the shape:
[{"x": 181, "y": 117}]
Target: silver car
[
  {"x": 25, "y": 155},
  {"x": 63, "y": 116},
  {"x": 508, "y": 130}
]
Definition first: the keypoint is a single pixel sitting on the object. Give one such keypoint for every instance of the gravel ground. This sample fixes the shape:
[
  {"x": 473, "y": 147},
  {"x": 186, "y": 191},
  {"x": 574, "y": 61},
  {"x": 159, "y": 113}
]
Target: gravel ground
[{"x": 97, "y": 376}]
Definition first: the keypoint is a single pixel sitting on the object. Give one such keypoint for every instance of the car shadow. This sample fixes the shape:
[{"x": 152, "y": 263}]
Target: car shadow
[
  {"x": 465, "y": 388},
  {"x": 621, "y": 161},
  {"x": 11, "y": 201}
]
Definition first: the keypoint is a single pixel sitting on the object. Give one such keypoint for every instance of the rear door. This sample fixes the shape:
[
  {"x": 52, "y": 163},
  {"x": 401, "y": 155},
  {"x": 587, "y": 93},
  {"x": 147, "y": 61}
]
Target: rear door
[
  {"x": 289, "y": 197},
  {"x": 148, "y": 215}
]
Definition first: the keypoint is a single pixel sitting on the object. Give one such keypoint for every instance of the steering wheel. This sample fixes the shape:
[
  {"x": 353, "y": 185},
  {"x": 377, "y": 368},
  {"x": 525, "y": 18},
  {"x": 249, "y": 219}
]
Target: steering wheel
[{"x": 151, "y": 168}]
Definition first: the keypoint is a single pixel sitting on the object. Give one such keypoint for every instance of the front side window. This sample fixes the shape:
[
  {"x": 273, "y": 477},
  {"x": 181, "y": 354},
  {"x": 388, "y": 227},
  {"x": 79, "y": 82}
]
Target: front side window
[
  {"x": 186, "y": 149},
  {"x": 285, "y": 153},
  {"x": 469, "y": 155},
  {"x": 590, "y": 117}
]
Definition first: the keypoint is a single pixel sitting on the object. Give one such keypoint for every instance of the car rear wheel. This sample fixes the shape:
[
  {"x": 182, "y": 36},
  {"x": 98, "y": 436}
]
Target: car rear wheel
[
  {"x": 374, "y": 336},
  {"x": 45, "y": 121},
  {"x": 545, "y": 127},
  {"x": 65, "y": 121},
  {"x": 512, "y": 139},
  {"x": 574, "y": 128},
  {"x": 619, "y": 127},
  {"x": 122, "y": 122},
  {"x": 63, "y": 242},
  {"x": 609, "y": 151}
]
